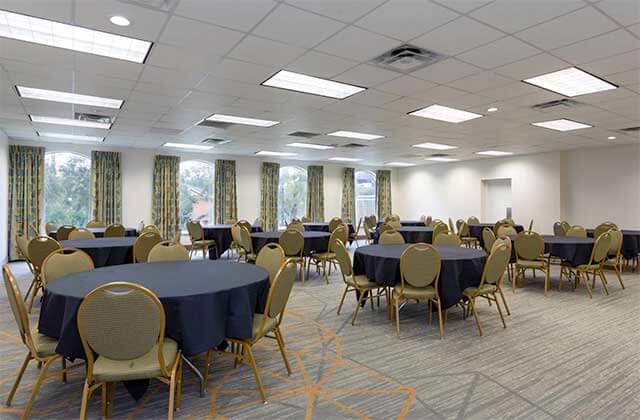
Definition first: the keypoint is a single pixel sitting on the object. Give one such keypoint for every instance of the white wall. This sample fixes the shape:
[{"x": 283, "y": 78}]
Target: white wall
[
  {"x": 4, "y": 197},
  {"x": 496, "y": 198}
]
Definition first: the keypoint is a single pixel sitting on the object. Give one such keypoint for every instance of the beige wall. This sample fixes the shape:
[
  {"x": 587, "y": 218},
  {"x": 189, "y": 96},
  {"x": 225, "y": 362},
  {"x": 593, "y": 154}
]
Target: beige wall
[{"x": 4, "y": 196}]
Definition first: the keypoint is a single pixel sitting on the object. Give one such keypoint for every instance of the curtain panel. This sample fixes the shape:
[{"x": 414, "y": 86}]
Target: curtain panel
[
  {"x": 225, "y": 198},
  {"x": 166, "y": 195},
  {"x": 348, "y": 212},
  {"x": 269, "y": 195},
  {"x": 315, "y": 193},
  {"x": 106, "y": 187},
  {"x": 383, "y": 193},
  {"x": 26, "y": 192}
]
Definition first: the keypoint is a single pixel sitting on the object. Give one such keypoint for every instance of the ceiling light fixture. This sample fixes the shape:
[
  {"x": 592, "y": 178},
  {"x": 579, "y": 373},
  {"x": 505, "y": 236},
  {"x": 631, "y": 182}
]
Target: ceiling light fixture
[
  {"x": 442, "y": 159},
  {"x": 492, "y": 109},
  {"x": 71, "y": 37},
  {"x": 313, "y": 85},
  {"x": 611, "y": 138},
  {"x": 561, "y": 125},
  {"x": 69, "y": 136},
  {"x": 119, "y": 21},
  {"x": 400, "y": 164},
  {"x": 571, "y": 82},
  {"x": 186, "y": 146},
  {"x": 444, "y": 113},
  {"x": 493, "y": 153},
  {"x": 344, "y": 159},
  {"x": 310, "y": 146},
  {"x": 268, "y": 153},
  {"x": 231, "y": 119},
  {"x": 68, "y": 98},
  {"x": 69, "y": 121},
  {"x": 434, "y": 146},
  {"x": 355, "y": 135}
]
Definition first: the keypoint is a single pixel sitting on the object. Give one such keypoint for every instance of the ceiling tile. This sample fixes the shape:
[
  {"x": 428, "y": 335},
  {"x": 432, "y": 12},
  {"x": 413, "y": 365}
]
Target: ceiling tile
[
  {"x": 455, "y": 37},
  {"x": 357, "y": 44},
  {"x": 615, "y": 64},
  {"x": 319, "y": 64},
  {"x": 107, "y": 67},
  {"x": 58, "y": 10},
  {"x": 366, "y": 75},
  {"x": 606, "y": 45},
  {"x": 176, "y": 58},
  {"x": 373, "y": 98},
  {"x": 266, "y": 52},
  {"x": 241, "y": 71},
  {"x": 241, "y": 15},
  {"x": 635, "y": 29},
  {"x": 463, "y": 6},
  {"x": 446, "y": 71},
  {"x": 631, "y": 77},
  {"x": 498, "y": 53},
  {"x": 626, "y": 12},
  {"x": 406, "y": 86},
  {"x": 196, "y": 36},
  {"x": 480, "y": 81},
  {"x": 179, "y": 79},
  {"x": 346, "y": 11},
  {"x": 532, "y": 66}
]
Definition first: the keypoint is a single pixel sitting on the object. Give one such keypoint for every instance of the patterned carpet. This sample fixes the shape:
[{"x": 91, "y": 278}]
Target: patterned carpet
[{"x": 564, "y": 356}]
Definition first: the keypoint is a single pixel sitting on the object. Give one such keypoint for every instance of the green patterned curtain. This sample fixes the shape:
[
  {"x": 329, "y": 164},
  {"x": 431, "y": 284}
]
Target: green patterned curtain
[
  {"x": 106, "y": 187},
  {"x": 348, "y": 195},
  {"x": 269, "y": 195},
  {"x": 383, "y": 193},
  {"x": 26, "y": 191},
  {"x": 166, "y": 195},
  {"x": 315, "y": 193},
  {"x": 225, "y": 199}
]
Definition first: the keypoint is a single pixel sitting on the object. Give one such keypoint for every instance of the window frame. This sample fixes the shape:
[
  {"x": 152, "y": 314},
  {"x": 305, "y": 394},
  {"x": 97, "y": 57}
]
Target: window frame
[
  {"x": 375, "y": 183},
  {"x": 213, "y": 185},
  {"x": 305, "y": 187},
  {"x": 85, "y": 157}
]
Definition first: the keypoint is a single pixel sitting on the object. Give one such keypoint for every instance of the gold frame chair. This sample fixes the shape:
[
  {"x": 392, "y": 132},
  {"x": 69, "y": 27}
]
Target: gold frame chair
[
  {"x": 391, "y": 237},
  {"x": 340, "y": 233},
  {"x": 144, "y": 244},
  {"x": 247, "y": 245},
  {"x": 95, "y": 224},
  {"x": 62, "y": 233},
  {"x": 614, "y": 256},
  {"x": 577, "y": 231},
  {"x": 198, "y": 242},
  {"x": 168, "y": 251},
  {"x": 115, "y": 230},
  {"x": 334, "y": 223},
  {"x": 473, "y": 220},
  {"x": 530, "y": 256},
  {"x": 465, "y": 236},
  {"x": 594, "y": 266},
  {"x": 447, "y": 239},
  {"x": 271, "y": 257},
  {"x": 81, "y": 234},
  {"x": 38, "y": 250},
  {"x": 292, "y": 243},
  {"x": 65, "y": 261}
]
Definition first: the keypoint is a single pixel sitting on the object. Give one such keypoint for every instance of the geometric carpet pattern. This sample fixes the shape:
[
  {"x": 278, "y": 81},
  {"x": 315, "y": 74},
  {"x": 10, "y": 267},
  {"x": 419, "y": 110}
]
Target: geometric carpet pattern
[{"x": 561, "y": 356}]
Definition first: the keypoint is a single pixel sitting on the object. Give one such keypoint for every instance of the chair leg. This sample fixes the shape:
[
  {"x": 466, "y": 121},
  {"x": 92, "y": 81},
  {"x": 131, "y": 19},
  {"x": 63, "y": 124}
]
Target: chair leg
[
  {"x": 604, "y": 281},
  {"x": 282, "y": 351},
  {"x": 207, "y": 363},
  {"x": 14, "y": 388},
  {"x": 440, "y": 323},
  {"x": 179, "y": 386},
  {"x": 64, "y": 369},
  {"x": 344, "y": 294},
  {"x": 583, "y": 276},
  {"x": 252, "y": 361},
  {"x": 36, "y": 387},
  {"x": 86, "y": 394},
  {"x": 34, "y": 292},
  {"x": 172, "y": 395},
  {"x": 472, "y": 302},
  {"x": 360, "y": 299},
  {"x": 302, "y": 271},
  {"x": 103, "y": 399},
  {"x": 617, "y": 269},
  {"x": 504, "y": 301},
  {"x": 396, "y": 303},
  {"x": 504, "y": 323},
  {"x": 429, "y": 311}
]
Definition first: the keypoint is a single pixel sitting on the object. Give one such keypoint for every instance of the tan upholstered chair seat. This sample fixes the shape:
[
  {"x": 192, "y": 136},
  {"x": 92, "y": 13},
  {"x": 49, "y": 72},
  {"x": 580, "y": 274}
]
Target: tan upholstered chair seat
[
  {"x": 269, "y": 325},
  {"x": 587, "y": 267},
  {"x": 475, "y": 291},
  {"x": 531, "y": 264},
  {"x": 411, "y": 292},
  {"x": 45, "y": 346},
  {"x": 324, "y": 255},
  {"x": 144, "y": 367},
  {"x": 203, "y": 243},
  {"x": 362, "y": 282}
]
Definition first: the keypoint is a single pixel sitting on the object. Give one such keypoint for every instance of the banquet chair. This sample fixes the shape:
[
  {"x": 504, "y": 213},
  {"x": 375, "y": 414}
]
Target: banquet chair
[
  {"x": 368, "y": 237},
  {"x": 122, "y": 334},
  {"x": 292, "y": 242},
  {"x": 394, "y": 223},
  {"x": 577, "y": 231},
  {"x": 458, "y": 224},
  {"x": 296, "y": 225},
  {"x": 419, "y": 276},
  {"x": 565, "y": 225},
  {"x": 391, "y": 237},
  {"x": 245, "y": 224},
  {"x": 305, "y": 219},
  {"x": 363, "y": 287},
  {"x": 33, "y": 230},
  {"x": 488, "y": 237},
  {"x": 40, "y": 348},
  {"x": 334, "y": 223},
  {"x": 229, "y": 221},
  {"x": 167, "y": 251},
  {"x": 530, "y": 226},
  {"x": 451, "y": 227},
  {"x": 235, "y": 240},
  {"x": 50, "y": 227},
  {"x": 95, "y": 224},
  {"x": 62, "y": 234},
  {"x": 328, "y": 257},
  {"x": 373, "y": 221},
  {"x": 144, "y": 244},
  {"x": 614, "y": 255},
  {"x": 38, "y": 249},
  {"x": 593, "y": 266},
  {"x": 506, "y": 230},
  {"x": 439, "y": 228},
  {"x": 489, "y": 286},
  {"x": 603, "y": 227},
  {"x": 384, "y": 227},
  {"x": 65, "y": 261},
  {"x": 473, "y": 220},
  {"x": 150, "y": 228},
  {"x": 114, "y": 230},
  {"x": 247, "y": 245},
  {"x": 447, "y": 239},
  {"x": 530, "y": 256},
  {"x": 271, "y": 257},
  {"x": 354, "y": 236},
  {"x": 198, "y": 242},
  {"x": 558, "y": 229},
  {"x": 465, "y": 236},
  {"x": 81, "y": 233},
  {"x": 264, "y": 324},
  {"x": 427, "y": 221}
]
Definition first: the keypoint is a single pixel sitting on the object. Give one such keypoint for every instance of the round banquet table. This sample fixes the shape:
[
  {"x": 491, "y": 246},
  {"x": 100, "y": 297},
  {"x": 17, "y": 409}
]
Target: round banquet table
[
  {"x": 313, "y": 241},
  {"x": 460, "y": 268},
  {"x": 630, "y": 242},
  {"x": 324, "y": 227},
  {"x": 222, "y": 235},
  {"x": 99, "y": 232},
  {"x": 412, "y": 234},
  {"x": 105, "y": 251},
  {"x": 405, "y": 223},
  {"x": 571, "y": 249},
  {"x": 475, "y": 230}
]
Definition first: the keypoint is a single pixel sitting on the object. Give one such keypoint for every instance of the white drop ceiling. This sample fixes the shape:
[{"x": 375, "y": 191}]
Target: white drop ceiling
[{"x": 210, "y": 56}]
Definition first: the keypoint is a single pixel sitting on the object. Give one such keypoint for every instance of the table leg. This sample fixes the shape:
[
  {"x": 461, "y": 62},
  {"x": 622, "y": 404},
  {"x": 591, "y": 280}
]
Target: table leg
[{"x": 197, "y": 372}]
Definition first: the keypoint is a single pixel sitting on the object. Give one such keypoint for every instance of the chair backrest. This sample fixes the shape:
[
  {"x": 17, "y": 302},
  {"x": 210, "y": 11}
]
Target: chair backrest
[
  {"x": 49, "y": 227},
  {"x": 342, "y": 255},
  {"x": 496, "y": 264},
  {"x": 565, "y": 226},
  {"x": 114, "y": 230},
  {"x": 394, "y": 223},
  {"x": 235, "y": 234},
  {"x": 506, "y": 230},
  {"x": 65, "y": 261},
  {"x": 39, "y": 248},
  {"x": 463, "y": 229},
  {"x": 280, "y": 290},
  {"x": 196, "y": 233},
  {"x": 144, "y": 244},
  {"x": 616, "y": 242},
  {"x": 458, "y": 223},
  {"x": 33, "y": 229},
  {"x": 296, "y": 226},
  {"x": 339, "y": 234},
  {"x": 428, "y": 220},
  {"x": 602, "y": 228},
  {"x": 305, "y": 219},
  {"x": 420, "y": 266},
  {"x": 81, "y": 233},
  {"x": 530, "y": 226},
  {"x": 451, "y": 227},
  {"x": 373, "y": 221},
  {"x": 150, "y": 228},
  {"x": 62, "y": 234},
  {"x": 245, "y": 224},
  {"x": 529, "y": 246},
  {"x": 558, "y": 229},
  {"x": 23, "y": 246},
  {"x": 292, "y": 242},
  {"x": 439, "y": 228},
  {"x": 447, "y": 239},
  {"x": 245, "y": 240},
  {"x": 271, "y": 257},
  {"x": 367, "y": 229},
  {"x": 334, "y": 223},
  {"x": 488, "y": 237},
  {"x": 121, "y": 321},
  {"x": 357, "y": 229},
  {"x": 473, "y": 220},
  {"x": 229, "y": 221},
  {"x": 600, "y": 248},
  {"x": 435, "y": 222},
  {"x": 499, "y": 241},
  {"x": 391, "y": 237},
  {"x": 95, "y": 224},
  {"x": 17, "y": 307},
  {"x": 168, "y": 251},
  {"x": 577, "y": 231}
]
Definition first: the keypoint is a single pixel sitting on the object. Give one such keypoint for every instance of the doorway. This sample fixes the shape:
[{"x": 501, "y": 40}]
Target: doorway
[{"x": 496, "y": 199}]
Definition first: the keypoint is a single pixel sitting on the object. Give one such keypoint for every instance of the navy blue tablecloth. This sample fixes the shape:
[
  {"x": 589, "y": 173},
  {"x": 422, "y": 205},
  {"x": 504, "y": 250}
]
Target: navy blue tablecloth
[
  {"x": 475, "y": 230},
  {"x": 460, "y": 268},
  {"x": 411, "y": 234},
  {"x": 105, "y": 251},
  {"x": 222, "y": 235},
  {"x": 573, "y": 250},
  {"x": 324, "y": 227},
  {"x": 99, "y": 232},
  {"x": 404, "y": 223},
  {"x": 313, "y": 241},
  {"x": 630, "y": 242}
]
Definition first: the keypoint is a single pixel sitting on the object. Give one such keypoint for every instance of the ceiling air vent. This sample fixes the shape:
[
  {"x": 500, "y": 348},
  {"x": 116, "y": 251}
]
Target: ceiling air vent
[
  {"x": 565, "y": 103},
  {"x": 407, "y": 58},
  {"x": 353, "y": 145},
  {"x": 214, "y": 124},
  {"x": 630, "y": 130},
  {"x": 305, "y": 134},
  {"x": 102, "y": 119},
  {"x": 440, "y": 155},
  {"x": 215, "y": 142}
]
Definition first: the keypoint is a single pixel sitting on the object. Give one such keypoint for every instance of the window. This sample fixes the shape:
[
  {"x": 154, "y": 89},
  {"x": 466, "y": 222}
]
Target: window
[
  {"x": 196, "y": 192},
  {"x": 292, "y": 194},
  {"x": 365, "y": 194},
  {"x": 67, "y": 188}
]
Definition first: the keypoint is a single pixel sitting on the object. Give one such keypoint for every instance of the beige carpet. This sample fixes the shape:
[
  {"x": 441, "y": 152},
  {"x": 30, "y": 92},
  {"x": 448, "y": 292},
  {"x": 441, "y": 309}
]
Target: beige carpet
[{"x": 563, "y": 356}]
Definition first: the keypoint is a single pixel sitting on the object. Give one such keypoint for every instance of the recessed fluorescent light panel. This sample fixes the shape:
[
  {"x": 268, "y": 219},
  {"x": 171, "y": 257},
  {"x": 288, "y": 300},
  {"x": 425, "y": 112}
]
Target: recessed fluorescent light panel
[
  {"x": 434, "y": 146},
  {"x": 571, "y": 82},
  {"x": 313, "y": 85},
  {"x": 241, "y": 120},
  {"x": 69, "y": 121},
  {"x": 344, "y": 159},
  {"x": 310, "y": 146},
  {"x": 186, "y": 146},
  {"x": 68, "y": 98},
  {"x": 493, "y": 153},
  {"x": 442, "y": 159},
  {"x": 69, "y": 136},
  {"x": 561, "y": 125},
  {"x": 400, "y": 164},
  {"x": 355, "y": 135},
  {"x": 268, "y": 153},
  {"x": 444, "y": 113},
  {"x": 71, "y": 37}
]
